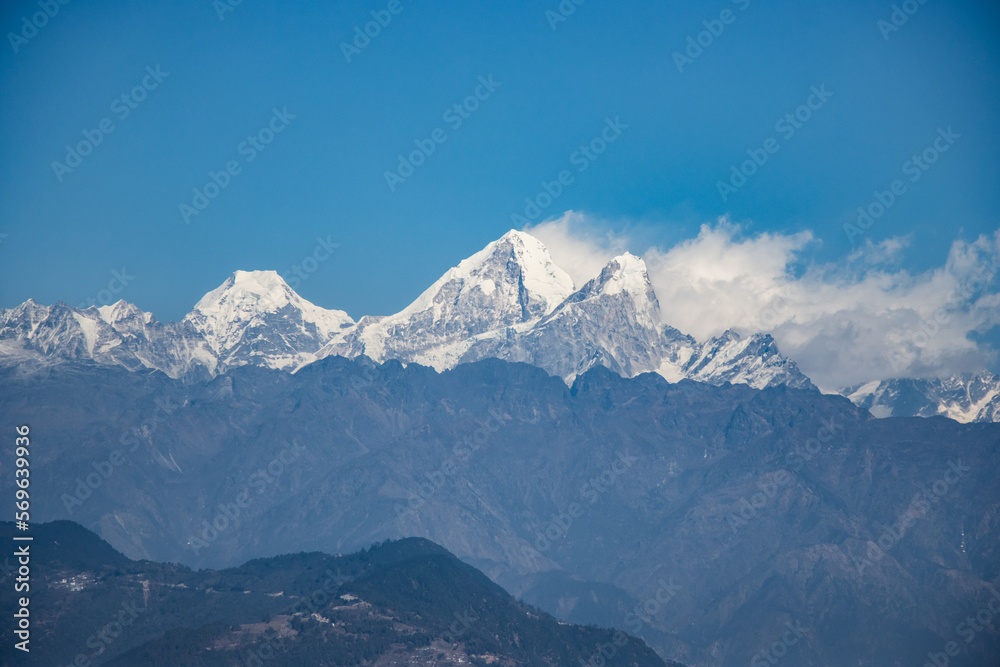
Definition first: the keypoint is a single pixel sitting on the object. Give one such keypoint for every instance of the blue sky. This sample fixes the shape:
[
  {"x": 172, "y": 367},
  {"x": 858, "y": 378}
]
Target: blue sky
[{"x": 323, "y": 175}]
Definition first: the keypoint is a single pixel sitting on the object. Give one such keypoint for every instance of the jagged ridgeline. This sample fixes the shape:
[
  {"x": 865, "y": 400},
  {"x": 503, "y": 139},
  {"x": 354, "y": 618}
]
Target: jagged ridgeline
[{"x": 508, "y": 301}]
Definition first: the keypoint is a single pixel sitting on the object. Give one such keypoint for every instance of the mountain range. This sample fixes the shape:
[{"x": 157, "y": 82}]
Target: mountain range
[
  {"x": 972, "y": 397},
  {"x": 703, "y": 519},
  {"x": 509, "y": 301}
]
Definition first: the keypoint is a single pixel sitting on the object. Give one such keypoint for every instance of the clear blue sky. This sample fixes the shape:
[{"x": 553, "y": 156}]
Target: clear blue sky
[{"x": 323, "y": 174}]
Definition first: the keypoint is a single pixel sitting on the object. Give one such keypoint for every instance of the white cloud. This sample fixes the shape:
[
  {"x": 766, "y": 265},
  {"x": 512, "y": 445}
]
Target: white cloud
[
  {"x": 858, "y": 320},
  {"x": 577, "y": 246}
]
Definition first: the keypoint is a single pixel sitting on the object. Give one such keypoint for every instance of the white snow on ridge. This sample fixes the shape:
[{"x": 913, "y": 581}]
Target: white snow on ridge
[
  {"x": 630, "y": 276},
  {"x": 89, "y": 329},
  {"x": 863, "y": 390},
  {"x": 511, "y": 281},
  {"x": 972, "y": 409},
  {"x": 247, "y": 299},
  {"x": 972, "y": 397},
  {"x": 541, "y": 277},
  {"x": 122, "y": 310}
]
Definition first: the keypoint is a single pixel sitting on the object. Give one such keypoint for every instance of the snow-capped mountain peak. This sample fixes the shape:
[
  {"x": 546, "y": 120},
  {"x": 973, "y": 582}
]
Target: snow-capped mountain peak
[
  {"x": 245, "y": 292},
  {"x": 541, "y": 277},
  {"x": 613, "y": 321},
  {"x": 626, "y": 274},
  {"x": 256, "y": 315},
  {"x": 121, "y": 312},
  {"x": 510, "y": 282},
  {"x": 517, "y": 262},
  {"x": 753, "y": 360},
  {"x": 509, "y": 300}
]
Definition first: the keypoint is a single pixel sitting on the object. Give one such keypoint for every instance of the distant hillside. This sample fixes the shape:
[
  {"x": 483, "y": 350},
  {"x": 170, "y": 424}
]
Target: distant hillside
[{"x": 403, "y": 602}]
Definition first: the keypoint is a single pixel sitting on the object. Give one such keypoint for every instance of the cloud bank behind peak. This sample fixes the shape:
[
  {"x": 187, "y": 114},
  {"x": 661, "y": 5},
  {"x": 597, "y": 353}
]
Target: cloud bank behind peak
[{"x": 860, "y": 319}]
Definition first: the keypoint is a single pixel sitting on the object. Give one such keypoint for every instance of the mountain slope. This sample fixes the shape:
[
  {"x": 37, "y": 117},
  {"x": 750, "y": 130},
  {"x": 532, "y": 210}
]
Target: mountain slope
[{"x": 394, "y": 603}]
